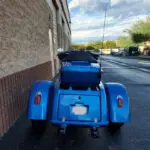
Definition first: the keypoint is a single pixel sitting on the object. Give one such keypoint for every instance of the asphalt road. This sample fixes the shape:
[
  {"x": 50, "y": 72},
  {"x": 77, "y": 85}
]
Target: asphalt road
[
  {"x": 139, "y": 64},
  {"x": 133, "y": 136}
]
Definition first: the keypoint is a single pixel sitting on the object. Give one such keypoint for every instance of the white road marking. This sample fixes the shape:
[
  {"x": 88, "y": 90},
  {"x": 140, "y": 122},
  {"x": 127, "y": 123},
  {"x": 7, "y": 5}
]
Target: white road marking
[
  {"x": 120, "y": 63},
  {"x": 133, "y": 67},
  {"x": 143, "y": 69},
  {"x": 109, "y": 63},
  {"x": 111, "y": 67},
  {"x": 144, "y": 62}
]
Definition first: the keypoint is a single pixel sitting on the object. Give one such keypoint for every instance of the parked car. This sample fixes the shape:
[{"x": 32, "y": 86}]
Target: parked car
[
  {"x": 130, "y": 51},
  {"x": 124, "y": 52},
  {"x": 133, "y": 51},
  {"x": 114, "y": 51}
]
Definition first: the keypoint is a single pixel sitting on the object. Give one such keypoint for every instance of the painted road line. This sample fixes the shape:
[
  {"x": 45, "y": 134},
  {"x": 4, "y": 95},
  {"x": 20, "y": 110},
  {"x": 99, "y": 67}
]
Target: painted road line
[
  {"x": 141, "y": 69},
  {"x": 120, "y": 63},
  {"x": 144, "y": 69},
  {"x": 133, "y": 67},
  {"x": 144, "y": 62},
  {"x": 112, "y": 68}
]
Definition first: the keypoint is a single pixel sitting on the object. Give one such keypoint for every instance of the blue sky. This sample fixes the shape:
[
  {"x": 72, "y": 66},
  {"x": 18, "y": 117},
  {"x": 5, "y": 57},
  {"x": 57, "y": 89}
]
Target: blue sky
[{"x": 87, "y": 17}]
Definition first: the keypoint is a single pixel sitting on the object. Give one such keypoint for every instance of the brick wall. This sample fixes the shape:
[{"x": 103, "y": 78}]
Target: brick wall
[
  {"x": 14, "y": 91},
  {"x": 25, "y": 52}
]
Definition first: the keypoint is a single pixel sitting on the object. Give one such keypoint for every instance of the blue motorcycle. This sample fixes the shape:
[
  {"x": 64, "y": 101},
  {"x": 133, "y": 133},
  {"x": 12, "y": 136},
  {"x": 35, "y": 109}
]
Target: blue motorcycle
[{"x": 78, "y": 97}]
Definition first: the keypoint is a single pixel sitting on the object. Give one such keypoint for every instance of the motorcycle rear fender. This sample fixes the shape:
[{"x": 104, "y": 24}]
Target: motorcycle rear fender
[
  {"x": 39, "y": 112},
  {"x": 117, "y": 114}
]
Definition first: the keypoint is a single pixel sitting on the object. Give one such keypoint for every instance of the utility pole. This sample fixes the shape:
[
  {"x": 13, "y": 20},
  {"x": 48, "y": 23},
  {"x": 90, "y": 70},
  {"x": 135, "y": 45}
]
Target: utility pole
[{"x": 103, "y": 34}]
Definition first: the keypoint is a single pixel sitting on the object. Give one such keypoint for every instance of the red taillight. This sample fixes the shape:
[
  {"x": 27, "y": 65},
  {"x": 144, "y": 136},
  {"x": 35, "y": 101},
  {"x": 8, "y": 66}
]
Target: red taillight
[
  {"x": 120, "y": 101},
  {"x": 37, "y": 99}
]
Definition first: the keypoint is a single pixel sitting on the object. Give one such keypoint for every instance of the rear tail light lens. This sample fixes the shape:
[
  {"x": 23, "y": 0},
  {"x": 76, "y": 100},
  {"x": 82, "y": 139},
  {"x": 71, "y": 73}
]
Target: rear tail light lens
[
  {"x": 120, "y": 102},
  {"x": 37, "y": 99}
]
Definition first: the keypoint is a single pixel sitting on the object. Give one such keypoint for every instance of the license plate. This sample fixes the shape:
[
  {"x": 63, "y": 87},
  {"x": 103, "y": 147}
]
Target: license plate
[{"x": 79, "y": 110}]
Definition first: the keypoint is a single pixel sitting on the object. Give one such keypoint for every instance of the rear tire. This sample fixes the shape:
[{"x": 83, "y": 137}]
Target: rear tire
[
  {"x": 114, "y": 127},
  {"x": 38, "y": 126}
]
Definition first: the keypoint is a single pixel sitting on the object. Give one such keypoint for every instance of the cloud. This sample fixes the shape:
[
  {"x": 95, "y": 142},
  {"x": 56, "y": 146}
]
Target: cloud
[
  {"x": 88, "y": 5},
  {"x": 88, "y": 17},
  {"x": 88, "y": 22},
  {"x": 73, "y": 4},
  {"x": 115, "y": 2}
]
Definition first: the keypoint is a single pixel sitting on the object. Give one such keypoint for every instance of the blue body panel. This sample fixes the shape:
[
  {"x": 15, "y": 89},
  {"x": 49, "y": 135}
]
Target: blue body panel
[
  {"x": 88, "y": 73},
  {"x": 91, "y": 103},
  {"x": 117, "y": 115},
  {"x": 102, "y": 106},
  {"x": 39, "y": 112},
  {"x": 100, "y": 103},
  {"x": 95, "y": 100}
]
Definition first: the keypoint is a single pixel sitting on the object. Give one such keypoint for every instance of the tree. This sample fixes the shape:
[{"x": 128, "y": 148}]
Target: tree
[
  {"x": 124, "y": 41},
  {"x": 78, "y": 46},
  {"x": 75, "y": 46},
  {"x": 90, "y": 47},
  {"x": 91, "y": 44},
  {"x": 138, "y": 37},
  {"x": 98, "y": 45},
  {"x": 110, "y": 44},
  {"x": 140, "y": 31}
]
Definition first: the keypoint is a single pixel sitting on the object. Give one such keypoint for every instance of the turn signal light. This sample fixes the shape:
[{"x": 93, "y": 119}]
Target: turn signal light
[
  {"x": 120, "y": 102},
  {"x": 37, "y": 99}
]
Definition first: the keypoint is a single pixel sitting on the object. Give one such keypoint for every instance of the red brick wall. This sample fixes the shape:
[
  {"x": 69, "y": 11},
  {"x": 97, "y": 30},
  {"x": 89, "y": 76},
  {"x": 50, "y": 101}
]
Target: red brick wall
[{"x": 14, "y": 91}]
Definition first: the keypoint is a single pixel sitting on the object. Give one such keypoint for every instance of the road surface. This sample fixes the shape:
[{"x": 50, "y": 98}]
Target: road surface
[
  {"x": 139, "y": 64},
  {"x": 133, "y": 136}
]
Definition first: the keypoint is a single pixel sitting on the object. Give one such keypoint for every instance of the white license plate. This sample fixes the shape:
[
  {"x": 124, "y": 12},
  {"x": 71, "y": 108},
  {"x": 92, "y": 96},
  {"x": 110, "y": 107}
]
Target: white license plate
[{"x": 79, "y": 110}]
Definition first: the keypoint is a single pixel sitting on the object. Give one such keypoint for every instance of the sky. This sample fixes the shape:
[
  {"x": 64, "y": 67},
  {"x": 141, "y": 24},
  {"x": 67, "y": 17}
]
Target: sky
[{"x": 87, "y": 17}]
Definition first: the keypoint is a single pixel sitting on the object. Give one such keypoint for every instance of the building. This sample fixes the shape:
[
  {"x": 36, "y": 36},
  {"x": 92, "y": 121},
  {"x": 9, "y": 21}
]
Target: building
[
  {"x": 146, "y": 50},
  {"x": 105, "y": 51},
  {"x": 30, "y": 34}
]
